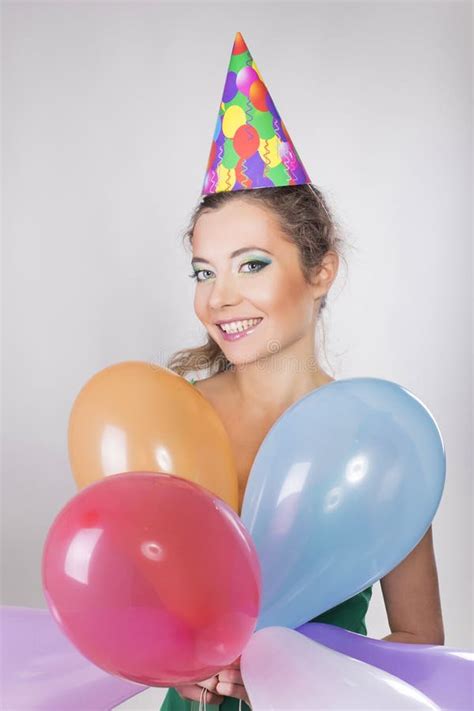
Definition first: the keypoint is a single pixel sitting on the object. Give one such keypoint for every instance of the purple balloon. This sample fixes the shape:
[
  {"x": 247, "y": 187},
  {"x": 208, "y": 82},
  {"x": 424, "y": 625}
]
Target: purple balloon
[
  {"x": 444, "y": 674},
  {"x": 42, "y": 669},
  {"x": 230, "y": 87},
  {"x": 254, "y": 169},
  {"x": 254, "y": 164},
  {"x": 272, "y": 108},
  {"x": 220, "y": 141}
]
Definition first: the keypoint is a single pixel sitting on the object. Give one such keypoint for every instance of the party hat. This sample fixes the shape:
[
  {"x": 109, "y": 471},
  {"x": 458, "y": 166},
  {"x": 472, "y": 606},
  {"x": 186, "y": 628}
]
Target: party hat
[{"x": 251, "y": 147}]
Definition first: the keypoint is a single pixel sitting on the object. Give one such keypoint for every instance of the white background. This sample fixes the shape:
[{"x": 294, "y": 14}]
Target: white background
[{"x": 109, "y": 111}]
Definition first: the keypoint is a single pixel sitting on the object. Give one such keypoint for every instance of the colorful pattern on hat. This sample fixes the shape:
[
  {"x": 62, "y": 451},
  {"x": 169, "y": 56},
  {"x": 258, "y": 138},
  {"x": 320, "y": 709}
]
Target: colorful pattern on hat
[{"x": 251, "y": 147}]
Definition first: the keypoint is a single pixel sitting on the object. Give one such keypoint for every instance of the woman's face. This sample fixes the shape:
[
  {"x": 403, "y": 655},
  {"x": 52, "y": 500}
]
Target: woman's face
[{"x": 246, "y": 269}]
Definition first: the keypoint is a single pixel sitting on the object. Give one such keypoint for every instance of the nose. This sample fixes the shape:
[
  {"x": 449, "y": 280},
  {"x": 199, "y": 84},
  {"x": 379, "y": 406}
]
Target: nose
[{"x": 224, "y": 292}]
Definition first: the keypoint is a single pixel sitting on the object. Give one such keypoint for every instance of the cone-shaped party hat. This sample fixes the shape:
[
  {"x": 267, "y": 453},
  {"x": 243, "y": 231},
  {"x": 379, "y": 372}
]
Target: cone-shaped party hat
[{"x": 251, "y": 147}]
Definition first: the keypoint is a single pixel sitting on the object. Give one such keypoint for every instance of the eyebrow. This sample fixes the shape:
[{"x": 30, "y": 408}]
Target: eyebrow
[{"x": 234, "y": 254}]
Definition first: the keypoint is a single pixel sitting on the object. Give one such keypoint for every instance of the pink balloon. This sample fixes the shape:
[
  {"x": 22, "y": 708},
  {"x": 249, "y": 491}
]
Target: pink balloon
[
  {"x": 152, "y": 578},
  {"x": 245, "y": 79}
]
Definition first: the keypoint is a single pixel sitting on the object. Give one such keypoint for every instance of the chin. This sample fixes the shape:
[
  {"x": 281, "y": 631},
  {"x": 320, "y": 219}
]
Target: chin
[{"x": 243, "y": 359}]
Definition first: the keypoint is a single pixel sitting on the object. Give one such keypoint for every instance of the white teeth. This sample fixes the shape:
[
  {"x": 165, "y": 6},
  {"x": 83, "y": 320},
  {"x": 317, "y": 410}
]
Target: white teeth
[{"x": 237, "y": 326}]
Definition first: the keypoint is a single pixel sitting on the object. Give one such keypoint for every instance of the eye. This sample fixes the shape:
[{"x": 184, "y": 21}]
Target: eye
[
  {"x": 194, "y": 275},
  {"x": 259, "y": 263}
]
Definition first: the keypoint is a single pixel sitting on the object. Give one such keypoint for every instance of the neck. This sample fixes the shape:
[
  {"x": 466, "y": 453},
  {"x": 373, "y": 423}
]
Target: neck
[{"x": 269, "y": 385}]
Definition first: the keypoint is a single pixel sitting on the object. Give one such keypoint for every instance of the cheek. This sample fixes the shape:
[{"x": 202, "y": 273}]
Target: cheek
[
  {"x": 282, "y": 298},
  {"x": 199, "y": 305}
]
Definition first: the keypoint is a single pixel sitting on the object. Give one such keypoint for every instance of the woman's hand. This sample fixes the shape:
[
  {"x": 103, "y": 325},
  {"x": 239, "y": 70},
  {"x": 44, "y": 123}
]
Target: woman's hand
[
  {"x": 194, "y": 692},
  {"x": 230, "y": 682}
]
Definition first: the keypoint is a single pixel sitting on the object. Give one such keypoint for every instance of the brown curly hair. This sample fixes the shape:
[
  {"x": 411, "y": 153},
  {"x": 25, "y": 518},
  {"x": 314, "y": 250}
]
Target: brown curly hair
[{"x": 304, "y": 217}]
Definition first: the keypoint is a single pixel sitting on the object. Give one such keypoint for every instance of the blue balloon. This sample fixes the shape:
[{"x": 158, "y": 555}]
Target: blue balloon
[{"x": 343, "y": 487}]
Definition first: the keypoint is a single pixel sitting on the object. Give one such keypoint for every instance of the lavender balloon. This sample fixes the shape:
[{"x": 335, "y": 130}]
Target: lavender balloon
[
  {"x": 284, "y": 670},
  {"x": 41, "y": 669},
  {"x": 443, "y": 674}
]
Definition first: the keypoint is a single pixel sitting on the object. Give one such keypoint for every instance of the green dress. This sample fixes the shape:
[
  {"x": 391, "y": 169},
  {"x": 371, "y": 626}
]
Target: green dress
[{"x": 350, "y": 615}]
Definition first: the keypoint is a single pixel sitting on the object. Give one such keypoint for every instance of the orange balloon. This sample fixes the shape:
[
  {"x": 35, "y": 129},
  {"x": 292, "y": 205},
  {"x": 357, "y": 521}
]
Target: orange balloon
[
  {"x": 136, "y": 416},
  {"x": 258, "y": 95}
]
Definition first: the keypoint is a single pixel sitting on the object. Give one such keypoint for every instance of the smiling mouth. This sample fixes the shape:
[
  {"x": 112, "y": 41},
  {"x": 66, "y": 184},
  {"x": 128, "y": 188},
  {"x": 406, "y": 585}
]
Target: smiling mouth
[{"x": 230, "y": 329}]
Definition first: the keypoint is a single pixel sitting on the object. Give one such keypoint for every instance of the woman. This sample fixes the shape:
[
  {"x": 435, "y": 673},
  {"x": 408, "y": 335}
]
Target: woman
[{"x": 264, "y": 261}]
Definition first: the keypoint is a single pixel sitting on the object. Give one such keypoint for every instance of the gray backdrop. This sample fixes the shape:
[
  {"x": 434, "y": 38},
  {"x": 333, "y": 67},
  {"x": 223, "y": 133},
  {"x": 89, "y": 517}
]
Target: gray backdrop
[{"x": 109, "y": 111}]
